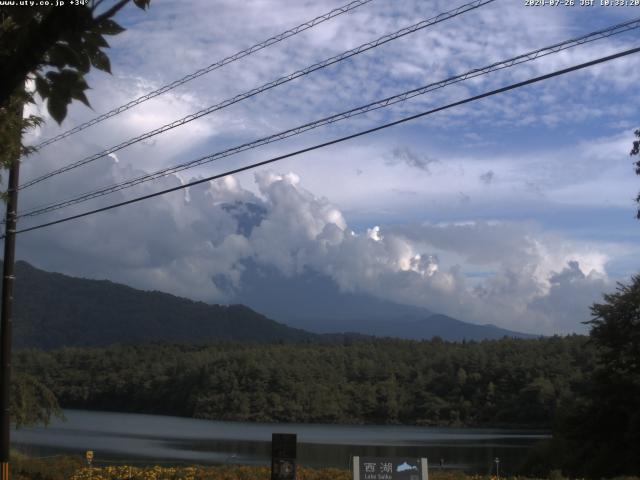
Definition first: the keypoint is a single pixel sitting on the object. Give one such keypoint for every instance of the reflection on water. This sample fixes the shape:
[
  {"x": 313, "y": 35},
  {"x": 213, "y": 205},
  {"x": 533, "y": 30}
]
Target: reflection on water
[{"x": 136, "y": 437}]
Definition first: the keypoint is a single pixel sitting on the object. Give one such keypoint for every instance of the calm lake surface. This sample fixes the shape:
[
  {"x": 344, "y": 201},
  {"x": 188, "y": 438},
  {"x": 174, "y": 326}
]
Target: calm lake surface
[{"x": 139, "y": 438}]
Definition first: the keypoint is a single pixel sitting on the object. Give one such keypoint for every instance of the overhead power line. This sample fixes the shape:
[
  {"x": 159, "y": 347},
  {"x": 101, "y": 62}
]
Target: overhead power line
[
  {"x": 267, "y": 86},
  {"x": 338, "y": 140},
  {"x": 333, "y": 118},
  {"x": 214, "y": 66}
]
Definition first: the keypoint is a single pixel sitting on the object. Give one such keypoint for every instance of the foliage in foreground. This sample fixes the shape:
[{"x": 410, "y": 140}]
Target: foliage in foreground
[
  {"x": 54, "y": 48},
  {"x": 600, "y": 433},
  {"x": 31, "y": 402},
  {"x": 71, "y": 468},
  {"x": 198, "y": 472}
]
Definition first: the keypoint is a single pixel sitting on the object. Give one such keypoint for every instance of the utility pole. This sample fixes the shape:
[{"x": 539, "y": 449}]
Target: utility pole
[{"x": 8, "y": 278}]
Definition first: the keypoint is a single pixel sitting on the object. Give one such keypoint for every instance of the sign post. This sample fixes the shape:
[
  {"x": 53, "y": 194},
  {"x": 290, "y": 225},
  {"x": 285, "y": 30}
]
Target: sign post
[
  {"x": 89, "y": 456},
  {"x": 283, "y": 456},
  {"x": 381, "y": 468}
]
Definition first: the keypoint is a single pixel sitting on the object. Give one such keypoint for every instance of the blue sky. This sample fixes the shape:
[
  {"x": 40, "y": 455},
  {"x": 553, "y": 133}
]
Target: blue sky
[{"x": 518, "y": 210}]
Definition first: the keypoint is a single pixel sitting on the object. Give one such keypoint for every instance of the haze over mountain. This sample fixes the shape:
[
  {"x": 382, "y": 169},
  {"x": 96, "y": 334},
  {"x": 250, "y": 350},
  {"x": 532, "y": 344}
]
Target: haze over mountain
[
  {"x": 314, "y": 302},
  {"x": 53, "y": 310}
]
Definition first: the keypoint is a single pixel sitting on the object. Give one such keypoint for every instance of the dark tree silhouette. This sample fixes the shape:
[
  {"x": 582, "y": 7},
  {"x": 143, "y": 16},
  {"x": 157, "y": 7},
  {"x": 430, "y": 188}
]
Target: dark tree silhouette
[
  {"x": 598, "y": 433},
  {"x": 635, "y": 150},
  {"x": 55, "y": 47}
]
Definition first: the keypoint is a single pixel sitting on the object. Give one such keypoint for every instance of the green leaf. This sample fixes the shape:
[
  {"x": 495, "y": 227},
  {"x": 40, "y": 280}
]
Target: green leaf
[
  {"x": 93, "y": 40},
  {"x": 57, "y": 108},
  {"x": 65, "y": 86},
  {"x": 82, "y": 57},
  {"x": 59, "y": 56},
  {"x": 108, "y": 27},
  {"x": 77, "y": 91},
  {"x": 73, "y": 54},
  {"x": 84, "y": 62},
  {"x": 42, "y": 86},
  {"x": 52, "y": 75},
  {"x": 79, "y": 95},
  {"x": 100, "y": 60}
]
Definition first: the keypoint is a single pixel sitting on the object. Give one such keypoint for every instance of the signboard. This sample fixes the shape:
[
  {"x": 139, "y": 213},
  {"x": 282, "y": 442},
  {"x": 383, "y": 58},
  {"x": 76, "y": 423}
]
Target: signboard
[
  {"x": 283, "y": 456},
  {"x": 382, "y": 468}
]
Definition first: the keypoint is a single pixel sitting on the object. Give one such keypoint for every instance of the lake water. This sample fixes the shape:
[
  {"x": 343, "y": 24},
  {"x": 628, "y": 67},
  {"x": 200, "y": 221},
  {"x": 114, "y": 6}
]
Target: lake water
[{"x": 135, "y": 438}]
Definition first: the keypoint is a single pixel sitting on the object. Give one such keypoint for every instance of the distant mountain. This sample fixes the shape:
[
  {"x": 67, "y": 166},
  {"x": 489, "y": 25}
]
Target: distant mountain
[
  {"x": 409, "y": 327},
  {"x": 314, "y": 302},
  {"x": 52, "y": 310}
]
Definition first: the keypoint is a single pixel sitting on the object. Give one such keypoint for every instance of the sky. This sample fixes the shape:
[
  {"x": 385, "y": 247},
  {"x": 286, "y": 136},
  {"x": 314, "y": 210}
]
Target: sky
[{"x": 517, "y": 210}]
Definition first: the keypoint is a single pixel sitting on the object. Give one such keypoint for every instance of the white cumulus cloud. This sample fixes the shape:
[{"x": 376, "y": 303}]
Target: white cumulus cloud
[{"x": 530, "y": 280}]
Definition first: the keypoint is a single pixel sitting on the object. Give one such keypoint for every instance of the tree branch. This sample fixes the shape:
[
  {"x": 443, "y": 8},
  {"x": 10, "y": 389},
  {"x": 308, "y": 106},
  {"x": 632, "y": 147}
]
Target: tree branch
[
  {"x": 29, "y": 56},
  {"x": 111, "y": 12},
  {"x": 42, "y": 36}
]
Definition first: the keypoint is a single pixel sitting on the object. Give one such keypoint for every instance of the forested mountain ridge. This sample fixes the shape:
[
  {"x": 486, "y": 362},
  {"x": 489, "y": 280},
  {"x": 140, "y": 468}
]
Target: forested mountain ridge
[
  {"x": 508, "y": 382},
  {"x": 54, "y": 310}
]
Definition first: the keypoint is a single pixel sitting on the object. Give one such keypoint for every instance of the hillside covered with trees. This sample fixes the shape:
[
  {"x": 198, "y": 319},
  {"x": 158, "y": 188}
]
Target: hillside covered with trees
[
  {"x": 53, "y": 310},
  {"x": 506, "y": 382}
]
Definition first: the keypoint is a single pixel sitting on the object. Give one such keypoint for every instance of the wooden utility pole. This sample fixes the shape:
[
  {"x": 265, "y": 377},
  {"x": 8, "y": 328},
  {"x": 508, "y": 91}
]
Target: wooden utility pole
[
  {"x": 6, "y": 314},
  {"x": 6, "y": 319}
]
